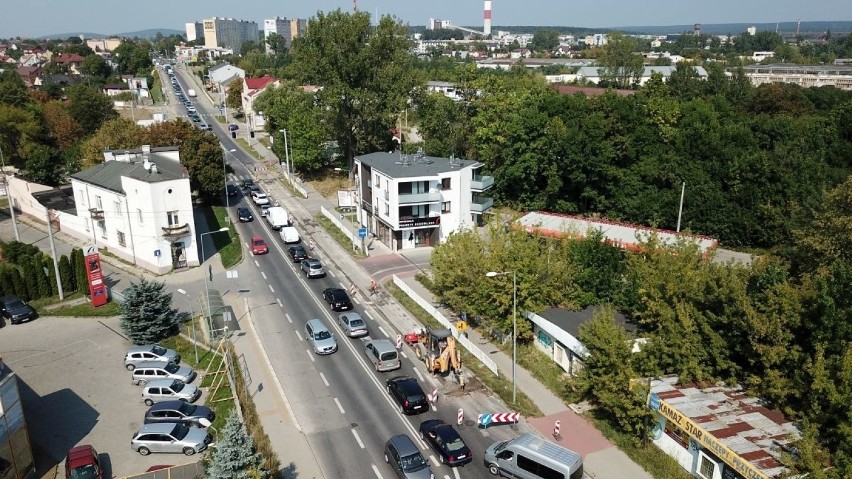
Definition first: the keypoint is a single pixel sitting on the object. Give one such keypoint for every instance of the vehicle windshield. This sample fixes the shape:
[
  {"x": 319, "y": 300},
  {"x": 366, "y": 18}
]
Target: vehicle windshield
[
  {"x": 15, "y": 304},
  {"x": 322, "y": 335},
  {"x": 180, "y": 432},
  {"x": 258, "y": 242},
  {"x": 177, "y": 386},
  {"x": 455, "y": 445},
  {"x": 412, "y": 463},
  {"x": 356, "y": 323},
  {"x": 501, "y": 446},
  {"x": 159, "y": 350},
  {"x": 89, "y": 471},
  {"x": 171, "y": 367},
  {"x": 187, "y": 408}
]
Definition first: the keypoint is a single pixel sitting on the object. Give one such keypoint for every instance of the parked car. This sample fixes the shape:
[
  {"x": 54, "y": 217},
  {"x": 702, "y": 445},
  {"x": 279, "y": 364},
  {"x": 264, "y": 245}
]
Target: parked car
[
  {"x": 259, "y": 198},
  {"x": 170, "y": 437},
  {"x": 82, "y": 462},
  {"x": 320, "y": 337},
  {"x": 408, "y": 394},
  {"x": 404, "y": 457},
  {"x": 232, "y": 189},
  {"x": 353, "y": 325},
  {"x": 195, "y": 118},
  {"x": 180, "y": 412},
  {"x": 445, "y": 440},
  {"x": 258, "y": 245},
  {"x": 244, "y": 214},
  {"x": 248, "y": 183},
  {"x": 233, "y": 127},
  {"x": 297, "y": 253},
  {"x": 383, "y": 354},
  {"x": 149, "y": 352},
  {"x": 337, "y": 299},
  {"x": 16, "y": 310},
  {"x": 169, "y": 389},
  {"x": 154, "y": 370},
  {"x": 312, "y": 268}
]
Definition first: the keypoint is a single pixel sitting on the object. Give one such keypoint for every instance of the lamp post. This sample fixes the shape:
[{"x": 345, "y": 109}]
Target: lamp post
[
  {"x": 286, "y": 154},
  {"x": 225, "y": 175},
  {"x": 207, "y": 288},
  {"x": 9, "y": 195},
  {"x": 192, "y": 318},
  {"x": 492, "y": 274}
]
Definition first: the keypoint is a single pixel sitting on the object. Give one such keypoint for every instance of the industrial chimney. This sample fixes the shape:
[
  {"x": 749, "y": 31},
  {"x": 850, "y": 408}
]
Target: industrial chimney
[{"x": 486, "y": 24}]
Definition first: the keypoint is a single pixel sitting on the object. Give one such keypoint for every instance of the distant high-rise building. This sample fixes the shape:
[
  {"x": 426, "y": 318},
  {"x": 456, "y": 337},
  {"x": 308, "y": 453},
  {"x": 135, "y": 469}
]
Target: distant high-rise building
[
  {"x": 229, "y": 33},
  {"x": 288, "y": 28},
  {"x": 751, "y": 30},
  {"x": 194, "y": 31}
]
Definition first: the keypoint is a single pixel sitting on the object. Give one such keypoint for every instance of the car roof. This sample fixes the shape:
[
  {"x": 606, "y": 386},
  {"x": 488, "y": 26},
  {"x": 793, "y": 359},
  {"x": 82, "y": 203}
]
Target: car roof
[
  {"x": 151, "y": 364},
  {"x": 161, "y": 383},
  {"x": 157, "y": 427},
  {"x": 311, "y": 260},
  {"x": 80, "y": 455},
  {"x": 316, "y": 324},
  {"x": 383, "y": 345},
  {"x": 408, "y": 385},
  {"x": 403, "y": 445},
  {"x": 166, "y": 405},
  {"x": 255, "y": 238},
  {"x": 242, "y": 208},
  {"x": 142, "y": 348}
]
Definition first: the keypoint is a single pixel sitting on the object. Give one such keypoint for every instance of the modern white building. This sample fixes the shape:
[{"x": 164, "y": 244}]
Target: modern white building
[
  {"x": 229, "y": 33},
  {"x": 592, "y": 73},
  {"x": 408, "y": 201},
  {"x": 194, "y": 31},
  {"x": 138, "y": 204},
  {"x": 288, "y": 28},
  {"x": 806, "y": 76}
]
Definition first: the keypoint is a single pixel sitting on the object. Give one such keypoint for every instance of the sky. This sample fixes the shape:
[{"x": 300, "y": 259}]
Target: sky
[{"x": 33, "y": 18}]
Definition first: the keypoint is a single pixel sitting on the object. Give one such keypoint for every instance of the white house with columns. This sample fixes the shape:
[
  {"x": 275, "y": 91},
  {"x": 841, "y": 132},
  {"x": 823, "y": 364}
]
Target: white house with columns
[{"x": 137, "y": 204}]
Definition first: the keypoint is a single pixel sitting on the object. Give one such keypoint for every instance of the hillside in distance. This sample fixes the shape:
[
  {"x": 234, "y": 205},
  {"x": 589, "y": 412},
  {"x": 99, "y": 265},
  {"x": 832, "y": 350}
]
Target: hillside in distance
[{"x": 149, "y": 33}]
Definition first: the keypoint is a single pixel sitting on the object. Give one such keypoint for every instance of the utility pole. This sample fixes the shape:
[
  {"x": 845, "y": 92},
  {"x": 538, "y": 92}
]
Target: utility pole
[
  {"x": 9, "y": 195},
  {"x": 680, "y": 210},
  {"x": 53, "y": 252}
]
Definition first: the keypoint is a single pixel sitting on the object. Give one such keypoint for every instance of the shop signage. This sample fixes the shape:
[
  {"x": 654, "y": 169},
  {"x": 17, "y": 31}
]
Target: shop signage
[
  {"x": 415, "y": 222},
  {"x": 95, "y": 276},
  {"x": 710, "y": 442}
]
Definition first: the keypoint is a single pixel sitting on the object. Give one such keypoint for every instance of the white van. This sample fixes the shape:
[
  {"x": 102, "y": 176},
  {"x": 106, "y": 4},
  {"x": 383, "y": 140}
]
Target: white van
[
  {"x": 531, "y": 457},
  {"x": 290, "y": 235},
  {"x": 277, "y": 217},
  {"x": 191, "y": 92}
]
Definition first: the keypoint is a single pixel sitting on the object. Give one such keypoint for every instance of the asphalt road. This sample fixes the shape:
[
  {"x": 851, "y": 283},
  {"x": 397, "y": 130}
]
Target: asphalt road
[{"x": 339, "y": 400}]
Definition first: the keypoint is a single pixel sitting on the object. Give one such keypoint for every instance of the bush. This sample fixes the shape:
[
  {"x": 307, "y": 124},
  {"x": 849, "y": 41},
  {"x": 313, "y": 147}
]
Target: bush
[
  {"x": 146, "y": 313},
  {"x": 66, "y": 275},
  {"x": 16, "y": 252}
]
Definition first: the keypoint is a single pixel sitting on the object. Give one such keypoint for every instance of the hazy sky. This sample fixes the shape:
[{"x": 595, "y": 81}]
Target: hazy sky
[{"x": 43, "y": 17}]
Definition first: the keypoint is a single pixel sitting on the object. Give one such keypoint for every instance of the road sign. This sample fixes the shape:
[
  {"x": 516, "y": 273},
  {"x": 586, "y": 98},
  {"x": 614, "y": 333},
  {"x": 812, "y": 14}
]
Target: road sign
[
  {"x": 362, "y": 233},
  {"x": 461, "y": 325}
]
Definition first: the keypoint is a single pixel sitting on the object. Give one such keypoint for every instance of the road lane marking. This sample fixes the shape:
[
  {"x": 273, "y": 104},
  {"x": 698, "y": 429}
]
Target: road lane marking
[
  {"x": 313, "y": 360},
  {"x": 369, "y": 315},
  {"x": 357, "y": 438},
  {"x": 324, "y": 380},
  {"x": 279, "y": 302},
  {"x": 339, "y": 406},
  {"x": 384, "y": 332},
  {"x": 376, "y": 470},
  {"x": 456, "y": 473},
  {"x": 435, "y": 460},
  {"x": 287, "y": 315},
  {"x": 332, "y": 273},
  {"x": 403, "y": 354},
  {"x": 298, "y": 335},
  {"x": 341, "y": 285},
  {"x": 255, "y": 261},
  {"x": 435, "y": 408},
  {"x": 356, "y": 301},
  {"x": 263, "y": 274},
  {"x": 417, "y": 371},
  {"x": 270, "y": 288}
]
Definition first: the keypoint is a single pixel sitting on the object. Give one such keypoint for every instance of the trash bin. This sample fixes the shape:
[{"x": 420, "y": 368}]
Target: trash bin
[{"x": 234, "y": 134}]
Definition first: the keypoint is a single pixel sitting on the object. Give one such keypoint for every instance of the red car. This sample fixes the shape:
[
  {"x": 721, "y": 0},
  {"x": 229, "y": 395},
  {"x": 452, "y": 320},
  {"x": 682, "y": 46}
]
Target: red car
[
  {"x": 82, "y": 463},
  {"x": 258, "y": 245}
]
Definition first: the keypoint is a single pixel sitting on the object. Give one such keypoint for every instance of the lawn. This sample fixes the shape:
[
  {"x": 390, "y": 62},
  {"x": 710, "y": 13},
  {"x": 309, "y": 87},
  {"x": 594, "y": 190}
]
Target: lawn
[
  {"x": 87, "y": 310},
  {"x": 339, "y": 236},
  {"x": 227, "y": 245},
  {"x": 157, "y": 90},
  {"x": 243, "y": 143},
  {"x": 328, "y": 185}
]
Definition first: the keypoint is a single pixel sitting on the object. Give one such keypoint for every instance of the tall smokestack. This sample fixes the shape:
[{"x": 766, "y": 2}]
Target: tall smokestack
[{"x": 486, "y": 24}]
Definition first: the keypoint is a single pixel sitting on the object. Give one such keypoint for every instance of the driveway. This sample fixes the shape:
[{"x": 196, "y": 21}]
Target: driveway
[{"x": 75, "y": 390}]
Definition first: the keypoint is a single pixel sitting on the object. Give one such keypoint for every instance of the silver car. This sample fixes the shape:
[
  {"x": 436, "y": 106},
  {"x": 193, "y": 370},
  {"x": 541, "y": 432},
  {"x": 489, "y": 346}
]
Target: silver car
[
  {"x": 405, "y": 459},
  {"x": 353, "y": 325},
  {"x": 170, "y": 437},
  {"x": 169, "y": 389},
  {"x": 312, "y": 268},
  {"x": 153, "y": 370},
  {"x": 320, "y": 337},
  {"x": 149, "y": 352},
  {"x": 382, "y": 353}
]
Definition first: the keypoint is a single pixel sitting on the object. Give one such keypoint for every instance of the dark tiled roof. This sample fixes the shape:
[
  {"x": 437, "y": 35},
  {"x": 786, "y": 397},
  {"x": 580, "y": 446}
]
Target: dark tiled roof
[
  {"x": 109, "y": 173},
  {"x": 570, "y": 321},
  {"x": 392, "y": 164}
]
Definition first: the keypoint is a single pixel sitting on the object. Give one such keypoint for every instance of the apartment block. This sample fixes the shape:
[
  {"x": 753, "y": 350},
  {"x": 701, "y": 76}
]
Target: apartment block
[{"x": 229, "y": 33}]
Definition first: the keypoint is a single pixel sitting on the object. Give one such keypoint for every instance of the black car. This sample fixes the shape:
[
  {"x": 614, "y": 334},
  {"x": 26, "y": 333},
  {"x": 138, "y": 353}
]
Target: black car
[
  {"x": 232, "y": 189},
  {"x": 244, "y": 214},
  {"x": 406, "y": 391},
  {"x": 16, "y": 310},
  {"x": 297, "y": 253},
  {"x": 445, "y": 440},
  {"x": 181, "y": 413},
  {"x": 248, "y": 183},
  {"x": 336, "y": 298}
]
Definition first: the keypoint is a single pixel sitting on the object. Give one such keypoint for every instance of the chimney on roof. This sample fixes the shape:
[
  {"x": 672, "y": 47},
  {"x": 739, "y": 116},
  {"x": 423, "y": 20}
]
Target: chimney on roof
[
  {"x": 145, "y": 163},
  {"x": 154, "y": 168},
  {"x": 146, "y": 149}
]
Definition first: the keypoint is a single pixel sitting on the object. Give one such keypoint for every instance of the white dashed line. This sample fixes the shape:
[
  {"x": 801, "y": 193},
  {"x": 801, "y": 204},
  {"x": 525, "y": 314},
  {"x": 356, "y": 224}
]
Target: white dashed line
[
  {"x": 404, "y": 355},
  {"x": 247, "y": 248},
  {"x": 376, "y": 470},
  {"x": 356, "y": 300},
  {"x": 384, "y": 332},
  {"x": 361, "y": 444},
  {"x": 263, "y": 274},
  {"x": 435, "y": 460},
  {"x": 310, "y": 355},
  {"x": 369, "y": 315},
  {"x": 255, "y": 261},
  {"x": 332, "y": 273},
  {"x": 270, "y": 288},
  {"x": 434, "y": 408},
  {"x": 299, "y": 335},
  {"x": 456, "y": 473},
  {"x": 324, "y": 380},
  {"x": 289, "y": 320},
  {"x": 417, "y": 371},
  {"x": 341, "y": 285},
  {"x": 339, "y": 406},
  {"x": 279, "y": 302}
]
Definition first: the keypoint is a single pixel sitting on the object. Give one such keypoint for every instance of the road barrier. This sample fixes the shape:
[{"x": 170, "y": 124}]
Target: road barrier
[
  {"x": 460, "y": 417},
  {"x": 556, "y": 434},
  {"x": 398, "y": 341},
  {"x": 486, "y": 419}
]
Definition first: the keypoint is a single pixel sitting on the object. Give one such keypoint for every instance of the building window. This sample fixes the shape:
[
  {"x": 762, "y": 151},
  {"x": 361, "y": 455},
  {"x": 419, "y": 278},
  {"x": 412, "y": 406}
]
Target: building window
[
  {"x": 706, "y": 467},
  {"x": 139, "y": 215},
  {"x": 102, "y": 227},
  {"x": 445, "y": 183},
  {"x": 378, "y": 182},
  {"x": 173, "y": 218},
  {"x": 387, "y": 209},
  {"x": 445, "y": 207},
  {"x": 117, "y": 206},
  {"x": 120, "y": 238},
  {"x": 99, "y": 202}
]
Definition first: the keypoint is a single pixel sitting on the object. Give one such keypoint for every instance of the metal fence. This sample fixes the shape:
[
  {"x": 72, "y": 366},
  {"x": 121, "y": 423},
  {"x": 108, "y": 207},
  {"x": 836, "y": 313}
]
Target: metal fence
[{"x": 345, "y": 229}]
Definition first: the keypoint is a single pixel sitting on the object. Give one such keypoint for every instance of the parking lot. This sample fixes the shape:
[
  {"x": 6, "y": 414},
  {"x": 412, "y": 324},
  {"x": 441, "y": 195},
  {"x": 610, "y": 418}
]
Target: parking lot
[{"x": 75, "y": 390}]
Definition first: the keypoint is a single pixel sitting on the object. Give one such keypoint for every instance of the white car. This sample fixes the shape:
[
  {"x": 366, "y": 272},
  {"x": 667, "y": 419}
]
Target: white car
[{"x": 259, "y": 198}]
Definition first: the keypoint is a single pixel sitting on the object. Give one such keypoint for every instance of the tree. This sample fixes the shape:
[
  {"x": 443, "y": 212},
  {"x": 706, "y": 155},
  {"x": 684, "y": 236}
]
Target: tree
[
  {"x": 89, "y": 107},
  {"x": 821, "y": 241},
  {"x": 63, "y": 128},
  {"x": 13, "y": 91},
  {"x": 115, "y": 134},
  {"x": 44, "y": 270},
  {"x": 234, "y": 99},
  {"x": 78, "y": 264},
  {"x": 620, "y": 65},
  {"x": 366, "y": 73},
  {"x": 545, "y": 40},
  {"x": 45, "y": 166},
  {"x": 28, "y": 273},
  {"x": 235, "y": 455},
  {"x": 20, "y": 131},
  {"x": 146, "y": 313},
  {"x": 96, "y": 66},
  {"x": 66, "y": 275},
  {"x": 133, "y": 58}
]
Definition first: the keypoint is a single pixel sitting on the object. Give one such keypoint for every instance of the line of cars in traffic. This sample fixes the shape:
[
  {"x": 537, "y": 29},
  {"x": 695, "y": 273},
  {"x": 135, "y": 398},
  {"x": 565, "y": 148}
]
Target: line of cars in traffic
[{"x": 191, "y": 111}]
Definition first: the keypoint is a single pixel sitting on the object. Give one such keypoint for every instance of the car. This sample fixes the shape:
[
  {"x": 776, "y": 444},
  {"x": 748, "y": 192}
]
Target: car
[
  {"x": 264, "y": 209},
  {"x": 169, "y": 389},
  {"x": 191, "y": 108},
  {"x": 353, "y": 325},
  {"x": 404, "y": 457},
  {"x": 408, "y": 394},
  {"x": 297, "y": 253},
  {"x": 82, "y": 463},
  {"x": 383, "y": 354},
  {"x": 180, "y": 412},
  {"x": 149, "y": 352},
  {"x": 321, "y": 339},
  {"x": 259, "y": 198},
  {"x": 16, "y": 310},
  {"x": 248, "y": 183},
  {"x": 153, "y": 370},
  {"x": 336, "y": 298},
  {"x": 231, "y": 189},
  {"x": 445, "y": 440},
  {"x": 258, "y": 245},
  {"x": 195, "y": 118},
  {"x": 233, "y": 127},
  {"x": 244, "y": 214},
  {"x": 170, "y": 437},
  {"x": 312, "y": 268}
]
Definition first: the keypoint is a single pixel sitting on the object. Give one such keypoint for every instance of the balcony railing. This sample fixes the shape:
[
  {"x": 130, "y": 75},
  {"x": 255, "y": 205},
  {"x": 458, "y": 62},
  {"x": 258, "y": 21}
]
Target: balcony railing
[
  {"x": 97, "y": 215},
  {"x": 480, "y": 205},
  {"x": 481, "y": 182},
  {"x": 175, "y": 231},
  {"x": 430, "y": 197}
]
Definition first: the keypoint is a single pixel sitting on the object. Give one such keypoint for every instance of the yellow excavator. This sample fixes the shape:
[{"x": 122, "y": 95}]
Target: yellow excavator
[{"x": 436, "y": 348}]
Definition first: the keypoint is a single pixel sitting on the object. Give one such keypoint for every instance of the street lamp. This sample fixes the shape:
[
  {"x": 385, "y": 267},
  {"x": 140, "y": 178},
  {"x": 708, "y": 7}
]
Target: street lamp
[
  {"x": 192, "y": 318},
  {"x": 207, "y": 288},
  {"x": 9, "y": 195},
  {"x": 225, "y": 175},
  {"x": 493, "y": 274},
  {"x": 286, "y": 154}
]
